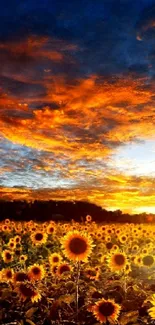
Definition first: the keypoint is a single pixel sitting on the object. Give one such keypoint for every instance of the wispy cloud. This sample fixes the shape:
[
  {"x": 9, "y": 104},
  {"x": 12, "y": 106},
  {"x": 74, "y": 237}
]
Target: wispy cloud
[{"x": 72, "y": 92}]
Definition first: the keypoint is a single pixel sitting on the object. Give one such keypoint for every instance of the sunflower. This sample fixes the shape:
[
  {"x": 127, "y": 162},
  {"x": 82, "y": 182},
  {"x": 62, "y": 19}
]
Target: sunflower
[
  {"x": 77, "y": 246},
  {"x": 88, "y": 218},
  {"x": 104, "y": 259},
  {"x": 17, "y": 239},
  {"x": 11, "y": 244},
  {"x": 118, "y": 231},
  {"x": 148, "y": 260},
  {"x": 123, "y": 239},
  {"x": 135, "y": 248},
  {"x": 109, "y": 245},
  {"x": 22, "y": 258},
  {"x": 50, "y": 229},
  {"x": 117, "y": 261},
  {"x": 91, "y": 273},
  {"x": 32, "y": 229},
  {"x": 91, "y": 234},
  {"x": 108, "y": 231},
  {"x": 115, "y": 248},
  {"x": 103, "y": 228},
  {"x": 53, "y": 269},
  {"x": 153, "y": 300},
  {"x": 127, "y": 268},
  {"x": 151, "y": 312},
  {"x": 17, "y": 252},
  {"x": 138, "y": 260},
  {"x": 7, "y": 221},
  {"x": 66, "y": 226},
  {"x": 98, "y": 235},
  {"x": 100, "y": 254},
  {"x": 27, "y": 291},
  {"x": 36, "y": 272},
  {"x": 20, "y": 276},
  {"x": 7, "y": 256},
  {"x": 64, "y": 269},
  {"x": 52, "y": 223},
  {"x": 105, "y": 310},
  {"x": 11, "y": 240},
  {"x": 44, "y": 225},
  {"x": 38, "y": 237},
  {"x": 55, "y": 258},
  {"x": 12, "y": 224},
  {"x": 145, "y": 251},
  {"x": 18, "y": 227},
  {"x": 18, "y": 246},
  {"x": 7, "y": 274},
  {"x": 107, "y": 238},
  {"x": 5, "y": 228}
]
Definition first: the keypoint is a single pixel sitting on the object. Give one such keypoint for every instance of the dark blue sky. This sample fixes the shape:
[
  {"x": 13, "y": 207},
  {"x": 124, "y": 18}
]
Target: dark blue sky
[{"x": 105, "y": 31}]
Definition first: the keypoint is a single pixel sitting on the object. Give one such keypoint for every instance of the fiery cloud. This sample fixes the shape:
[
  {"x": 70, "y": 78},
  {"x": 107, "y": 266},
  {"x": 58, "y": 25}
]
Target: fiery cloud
[{"x": 63, "y": 118}]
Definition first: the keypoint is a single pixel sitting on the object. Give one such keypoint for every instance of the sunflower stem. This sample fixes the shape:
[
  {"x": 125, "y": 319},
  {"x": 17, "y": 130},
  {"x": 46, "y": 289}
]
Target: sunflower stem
[
  {"x": 77, "y": 290},
  {"x": 125, "y": 285}
]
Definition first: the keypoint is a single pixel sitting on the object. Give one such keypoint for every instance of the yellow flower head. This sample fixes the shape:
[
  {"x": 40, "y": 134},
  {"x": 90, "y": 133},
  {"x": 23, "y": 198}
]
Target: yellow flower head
[
  {"x": 36, "y": 272},
  {"x": 152, "y": 309},
  {"x": 64, "y": 269},
  {"x": 17, "y": 239},
  {"x": 153, "y": 300},
  {"x": 50, "y": 229},
  {"x": 77, "y": 246},
  {"x": 20, "y": 276},
  {"x": 148, "y": 260},
  {"x": 22, "y": 258},
  {"x": 106, "y": 310},
  {"x": 88, "y": 218},
  {"x": 152, "y": 312},
  {"x": 27, "y": 291},
  {"x": 92, "y": 273},
  {"x": 38, "y": 237},
  {"x": 11, "y": 244},
  {"x": 55, "y": 258},
  {"x": 117, "y": 261},
  {"x": 7, "y": 274},
  {"x": 7, "y": 256}
]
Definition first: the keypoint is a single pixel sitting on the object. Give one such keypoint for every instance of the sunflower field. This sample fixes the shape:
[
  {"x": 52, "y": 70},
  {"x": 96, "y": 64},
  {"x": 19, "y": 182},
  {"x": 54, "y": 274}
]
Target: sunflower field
[{"x": 76, "y": 273}]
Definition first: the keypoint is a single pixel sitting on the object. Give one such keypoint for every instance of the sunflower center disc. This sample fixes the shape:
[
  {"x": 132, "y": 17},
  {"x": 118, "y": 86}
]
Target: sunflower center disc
[{"x": 78, "y": 246}]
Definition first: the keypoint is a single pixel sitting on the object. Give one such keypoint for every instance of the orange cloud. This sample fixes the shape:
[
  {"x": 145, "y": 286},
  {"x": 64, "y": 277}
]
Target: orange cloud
[
  {"x": 89, "y": 119},
  {"x": 32, "y": 47}
]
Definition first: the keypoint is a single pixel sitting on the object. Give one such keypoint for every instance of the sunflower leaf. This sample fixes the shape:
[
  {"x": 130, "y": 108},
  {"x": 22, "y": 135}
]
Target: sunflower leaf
[
  {"x": 128, "y": 317},
  {"x": 67, "y": 299},
  {"x": 29, "y": 313},
  {"x": 30, "y": 322}
]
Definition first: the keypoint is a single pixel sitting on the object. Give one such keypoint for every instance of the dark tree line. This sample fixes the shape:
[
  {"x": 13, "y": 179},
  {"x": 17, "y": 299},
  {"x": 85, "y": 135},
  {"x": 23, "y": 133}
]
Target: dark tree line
[{"x": 65, "y": 211}]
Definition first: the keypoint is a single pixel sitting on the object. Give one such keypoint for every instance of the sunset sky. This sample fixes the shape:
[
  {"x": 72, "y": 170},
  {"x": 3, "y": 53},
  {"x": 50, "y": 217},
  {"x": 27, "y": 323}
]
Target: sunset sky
[{"x": 77, "y": 102}]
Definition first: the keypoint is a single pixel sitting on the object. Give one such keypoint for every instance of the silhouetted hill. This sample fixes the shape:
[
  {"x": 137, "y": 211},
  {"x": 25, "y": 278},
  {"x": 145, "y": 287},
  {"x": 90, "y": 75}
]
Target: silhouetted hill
[{"x": 65, "y": 211}]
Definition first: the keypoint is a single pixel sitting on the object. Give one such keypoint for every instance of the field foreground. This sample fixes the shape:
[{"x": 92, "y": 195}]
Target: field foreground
[{"x": 77, "y": 273}]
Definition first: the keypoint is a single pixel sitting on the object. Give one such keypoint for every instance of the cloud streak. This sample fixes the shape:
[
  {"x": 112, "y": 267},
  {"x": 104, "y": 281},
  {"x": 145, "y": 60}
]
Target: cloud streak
[{"x": 71, "y": 94}]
